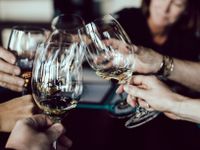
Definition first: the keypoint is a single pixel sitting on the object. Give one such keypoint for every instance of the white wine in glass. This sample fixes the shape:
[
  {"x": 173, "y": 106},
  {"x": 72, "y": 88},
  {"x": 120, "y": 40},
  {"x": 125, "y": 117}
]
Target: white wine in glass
[
  {"x": 57, "y": 79},
  {"x": 110, "y": 54}
]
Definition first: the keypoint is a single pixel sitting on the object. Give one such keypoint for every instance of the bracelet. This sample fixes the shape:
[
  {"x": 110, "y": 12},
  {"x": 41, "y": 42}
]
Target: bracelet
[{"x": 166, "y": 67}]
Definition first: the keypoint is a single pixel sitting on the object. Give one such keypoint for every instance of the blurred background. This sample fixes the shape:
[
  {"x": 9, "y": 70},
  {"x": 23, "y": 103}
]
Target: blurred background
[
  {"x": 41, "y": 12},
  {"x": 92, "y": 129}
]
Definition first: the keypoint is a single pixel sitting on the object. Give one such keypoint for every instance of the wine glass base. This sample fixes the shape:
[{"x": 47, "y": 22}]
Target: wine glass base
[
  {"x": 121, "y": 110},
  {"x": 140, "y": 119}
]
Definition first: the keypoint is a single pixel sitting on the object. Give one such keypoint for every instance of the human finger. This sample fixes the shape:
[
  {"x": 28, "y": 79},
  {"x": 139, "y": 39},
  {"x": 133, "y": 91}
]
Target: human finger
[
  {"x": 15, "y": 80},
  {"x": 120, "y": 89},
  {"x": 55, "y": 131},
  {"x": 135, "y": 91},
  {"x": 7, "y": 56},
  {"x": 64, "y": 142},
  {"x": 9, "y": 68},
  {"x": 11, "y": 86},
  {"x": 145, "y": 105},
  {"x": 131, "y": 100},
  {"x": 38, "y": 122}
]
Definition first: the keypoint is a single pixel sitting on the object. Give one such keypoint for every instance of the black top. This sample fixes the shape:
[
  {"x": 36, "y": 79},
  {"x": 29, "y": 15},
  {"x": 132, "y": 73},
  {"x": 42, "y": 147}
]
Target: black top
[{"x": 180, "y": 44}]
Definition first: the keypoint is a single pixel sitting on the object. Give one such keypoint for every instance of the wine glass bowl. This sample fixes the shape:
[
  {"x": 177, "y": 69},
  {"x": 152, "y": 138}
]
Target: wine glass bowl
[
  {"x": 22, "y": 43},
  {"x": 57, "y": 78},
  {"x": 65, "y": 27},
  {"x": 107, "y": 46}
]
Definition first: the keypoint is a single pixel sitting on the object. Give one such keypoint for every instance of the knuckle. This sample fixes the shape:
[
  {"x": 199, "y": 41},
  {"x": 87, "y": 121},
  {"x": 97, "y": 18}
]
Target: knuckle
[{"x": 3, "y": 84}]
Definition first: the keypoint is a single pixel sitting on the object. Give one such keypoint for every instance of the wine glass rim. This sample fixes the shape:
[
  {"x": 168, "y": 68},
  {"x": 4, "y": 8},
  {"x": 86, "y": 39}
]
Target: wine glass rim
[
  {"x": 56, "y": 43},
  {"x": 28, "y": 28},
  {"x": 73, "y": 15},
  {"x": 107, "y": 16}
]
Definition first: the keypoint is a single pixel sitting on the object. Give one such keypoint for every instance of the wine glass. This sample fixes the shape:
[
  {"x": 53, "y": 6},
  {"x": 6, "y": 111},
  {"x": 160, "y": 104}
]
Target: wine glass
[
  {"x": 22, "y": 43},
  {"x": 110, "y": 54},
  {"x": 57, "y": 79},
  {"x": 65, "y": 30},
  {"x": 65, "y": 27}
]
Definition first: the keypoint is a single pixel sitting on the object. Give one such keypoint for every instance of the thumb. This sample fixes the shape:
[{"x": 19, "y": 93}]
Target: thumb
[
  {"x": 54, "y": 132},
  {"x": 135, "y": 91}
]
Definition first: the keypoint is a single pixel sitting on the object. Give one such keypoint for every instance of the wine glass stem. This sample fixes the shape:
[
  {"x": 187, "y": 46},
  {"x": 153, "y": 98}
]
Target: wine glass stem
[{"x": 124, "y": 103}]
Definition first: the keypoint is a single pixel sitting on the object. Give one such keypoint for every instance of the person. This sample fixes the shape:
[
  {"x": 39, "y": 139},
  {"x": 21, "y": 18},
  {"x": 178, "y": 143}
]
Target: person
[
  {"x": 15, "y": 108},
  {"x": 144, "y": 90},
  {"x": 169, "y": 27},
  {"x": 38, "y": 132}
]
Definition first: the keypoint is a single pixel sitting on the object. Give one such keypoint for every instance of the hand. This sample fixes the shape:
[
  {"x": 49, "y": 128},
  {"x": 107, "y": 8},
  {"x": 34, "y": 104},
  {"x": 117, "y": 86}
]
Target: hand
[
  {"x": 13, "y": 110},
  {"x": 149, "y": 90},
  {"x": 147, "y": 61},
  {"x": 38, "y": 132},
  {"x": 121, "y": 55},
  {"x": 8, "y": 71},
  {"x": 144, "y": 60}
]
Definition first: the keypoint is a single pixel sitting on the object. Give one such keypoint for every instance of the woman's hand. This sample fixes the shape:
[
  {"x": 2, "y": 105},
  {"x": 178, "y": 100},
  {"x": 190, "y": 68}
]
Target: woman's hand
[
  {"x": 15, "y": 109},
  {"x": 38, "y": 132},
  {"x": 8, "y": 71},
  {"x": 149, "y": 91},
  {"x": 144, "y": 60}
]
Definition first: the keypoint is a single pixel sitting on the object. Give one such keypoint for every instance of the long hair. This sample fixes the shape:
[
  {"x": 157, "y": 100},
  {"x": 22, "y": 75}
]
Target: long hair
[{"x": 190, "y": 20}]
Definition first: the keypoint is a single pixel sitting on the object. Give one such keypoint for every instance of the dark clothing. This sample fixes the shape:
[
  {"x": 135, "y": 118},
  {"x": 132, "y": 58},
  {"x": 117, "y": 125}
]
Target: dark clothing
[{"x": 180, "y": 44}]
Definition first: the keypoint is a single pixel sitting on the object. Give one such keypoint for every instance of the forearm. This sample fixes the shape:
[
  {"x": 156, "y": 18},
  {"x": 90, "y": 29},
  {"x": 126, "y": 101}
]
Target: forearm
[
  {"x": 189, "y": 110},
  {"x": 186, "y": 73}
]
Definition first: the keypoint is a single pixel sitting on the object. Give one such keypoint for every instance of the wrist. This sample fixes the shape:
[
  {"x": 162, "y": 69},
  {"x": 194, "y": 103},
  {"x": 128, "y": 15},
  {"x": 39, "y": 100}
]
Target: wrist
[
  {"x": 177, "y": 103},
  {"x": 166, "y": 67}
]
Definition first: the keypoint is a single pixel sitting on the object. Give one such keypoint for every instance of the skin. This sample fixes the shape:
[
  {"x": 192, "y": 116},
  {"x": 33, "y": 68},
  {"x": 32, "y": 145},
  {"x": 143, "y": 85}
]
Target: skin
[
  {"x": 9, "y": 71},
  {"x": 147, "y": 61},
  {"x": 15, "y": 109},
  {"x": 38, "y": 132},
  {"x": 163, "y": 15},
  {"x": 149, "y": 90}
]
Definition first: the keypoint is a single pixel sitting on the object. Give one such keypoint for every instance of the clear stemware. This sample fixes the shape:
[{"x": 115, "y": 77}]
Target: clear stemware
[
  {"x": 110, "y": 54},
  {"x": 57, "y": 79},
  {"x": 23, "y": 42}
]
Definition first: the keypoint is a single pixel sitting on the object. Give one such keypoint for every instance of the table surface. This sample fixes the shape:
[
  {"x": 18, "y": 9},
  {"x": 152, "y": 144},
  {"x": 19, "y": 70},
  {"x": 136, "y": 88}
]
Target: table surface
[{"x": 95, "y": 129}]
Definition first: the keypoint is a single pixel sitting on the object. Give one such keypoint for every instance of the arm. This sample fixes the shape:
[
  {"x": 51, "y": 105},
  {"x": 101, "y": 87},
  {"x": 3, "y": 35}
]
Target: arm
[
  {"x": 184, "y": 72},
  {"x": 148, "y": 61},
  {"x": 149, "y": 90}
]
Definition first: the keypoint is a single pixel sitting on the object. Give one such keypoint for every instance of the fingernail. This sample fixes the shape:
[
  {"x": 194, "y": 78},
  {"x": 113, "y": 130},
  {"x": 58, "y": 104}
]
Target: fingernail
[
  {"x": 19, "y": 89},
  {"x": 118, "y": 91},
  {"x": 126, "y": 87},
  {"x": 17, "y": 71},
  {"x": 20, "y": 82}
]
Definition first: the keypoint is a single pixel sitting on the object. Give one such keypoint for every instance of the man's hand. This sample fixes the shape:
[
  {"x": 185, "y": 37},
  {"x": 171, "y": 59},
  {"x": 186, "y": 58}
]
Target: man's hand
[{"x": 38, "y": 132}]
